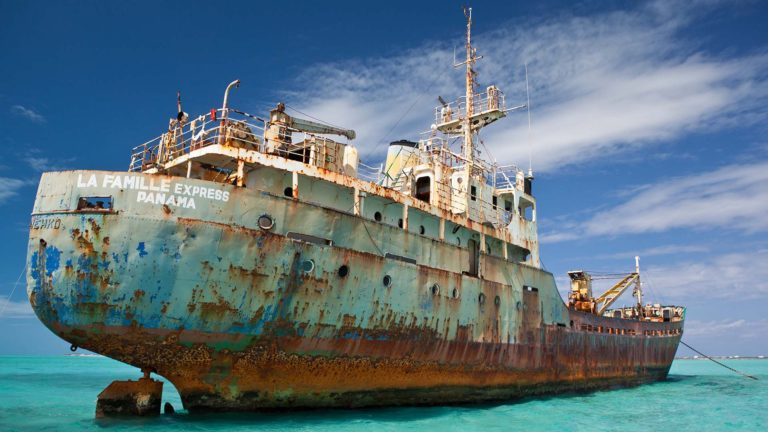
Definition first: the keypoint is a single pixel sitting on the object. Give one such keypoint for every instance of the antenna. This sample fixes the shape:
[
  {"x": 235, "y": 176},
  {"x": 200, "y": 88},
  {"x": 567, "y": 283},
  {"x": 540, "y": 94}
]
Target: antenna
[
  {"x": 528, "y": 106},
  {"x": 638, "y": 285}
]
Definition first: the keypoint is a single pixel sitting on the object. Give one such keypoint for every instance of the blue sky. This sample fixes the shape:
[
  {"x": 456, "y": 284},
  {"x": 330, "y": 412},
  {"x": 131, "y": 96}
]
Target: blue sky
[{"x": 649, "y": 120}]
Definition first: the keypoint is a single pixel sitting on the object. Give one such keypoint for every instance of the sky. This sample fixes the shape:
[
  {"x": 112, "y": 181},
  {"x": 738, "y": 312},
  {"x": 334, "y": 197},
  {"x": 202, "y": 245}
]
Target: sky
[{"x": 649, "y": 128}]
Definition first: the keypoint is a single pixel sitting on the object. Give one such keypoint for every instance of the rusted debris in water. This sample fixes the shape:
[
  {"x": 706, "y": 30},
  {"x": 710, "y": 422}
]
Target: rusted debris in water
[{"x": 130, "y": 398}]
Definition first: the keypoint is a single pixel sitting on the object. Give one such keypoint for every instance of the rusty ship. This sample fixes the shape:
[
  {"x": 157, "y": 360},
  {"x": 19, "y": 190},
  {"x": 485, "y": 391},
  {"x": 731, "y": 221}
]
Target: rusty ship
[{"x": 256, "y": 264}]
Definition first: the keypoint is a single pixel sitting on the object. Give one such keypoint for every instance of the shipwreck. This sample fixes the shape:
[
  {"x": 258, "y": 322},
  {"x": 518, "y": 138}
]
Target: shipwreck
[{"x": 256, "y": 263}]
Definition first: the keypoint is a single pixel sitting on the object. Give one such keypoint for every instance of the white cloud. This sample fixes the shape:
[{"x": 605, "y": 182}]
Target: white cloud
[
  {"x": 734, "y": 197},
  {"x": 9, "y": 187},
  {"x": 42, "y": 164},
  {"x": 28, "y": 113},
  {"x": 600, "y": 84},
  {"x": 656, "y": 251},
  {"x": 15, "y": 309},
  {"x": 740, "y": 328},
  {"x": 730, "y": 276}
]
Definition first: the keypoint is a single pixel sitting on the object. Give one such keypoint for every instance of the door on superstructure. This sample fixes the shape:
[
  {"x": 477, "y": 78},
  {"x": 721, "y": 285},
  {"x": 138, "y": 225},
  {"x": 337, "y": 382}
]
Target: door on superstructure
[
  {"x": 474, "y": 257},
  {"x": 423, "y": 188}
]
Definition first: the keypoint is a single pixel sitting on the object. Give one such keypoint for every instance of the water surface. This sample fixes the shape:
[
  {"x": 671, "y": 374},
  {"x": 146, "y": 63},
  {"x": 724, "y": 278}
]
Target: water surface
[{"x": 59, "y": 393}]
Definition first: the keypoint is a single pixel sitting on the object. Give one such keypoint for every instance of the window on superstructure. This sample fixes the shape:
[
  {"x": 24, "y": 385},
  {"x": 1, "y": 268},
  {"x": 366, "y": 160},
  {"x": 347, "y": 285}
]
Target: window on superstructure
[
  {"x": 495, "y": 202},
  {"x": 473, "y": 193},
  {"x": 423, "y": 188},
  {"x": 526, "y": 210}
]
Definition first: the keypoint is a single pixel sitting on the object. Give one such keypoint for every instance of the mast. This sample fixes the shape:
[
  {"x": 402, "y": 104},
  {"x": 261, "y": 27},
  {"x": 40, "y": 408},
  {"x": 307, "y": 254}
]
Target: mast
[
  {"x": 470, "y": 84},
  {"x": 470, "y": 89},
  {"x": 638, "y": 285}
]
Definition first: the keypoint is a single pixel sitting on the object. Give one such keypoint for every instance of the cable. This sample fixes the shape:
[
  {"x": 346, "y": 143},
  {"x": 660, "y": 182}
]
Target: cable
[
  {"x": 313, "y": 118},
  {"x": 371, "y": 237},
  {"x": 13, "y": 290},
  {"x": 710, "y": 358}
]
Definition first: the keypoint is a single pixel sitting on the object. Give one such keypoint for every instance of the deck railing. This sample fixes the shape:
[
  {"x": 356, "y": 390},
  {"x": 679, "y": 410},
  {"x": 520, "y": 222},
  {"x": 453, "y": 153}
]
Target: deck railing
[
  {"x": 490, "y": 100},
  {"x": 238, "y": 129}
]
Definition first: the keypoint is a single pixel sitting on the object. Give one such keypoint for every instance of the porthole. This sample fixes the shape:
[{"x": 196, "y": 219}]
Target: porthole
[
  {"x": 265, "y": 222},
  {"x": 308, "y": 266},
  {"x": 497, "y": 300},
  {"x": 288, "y": 192},
  {"x": 387, "y": 281},
  {"x": 435, "y": 289},
  {"x": 455, "y": 293},
  {"x": 343, "y": 271},
  {"x": 377, "y": 216},
  {"x": 400, "y": 223},
  {"x": 518, "y": 305},
  {"x": 481, "y": 298},
  {"x": 421, "y": 230}
]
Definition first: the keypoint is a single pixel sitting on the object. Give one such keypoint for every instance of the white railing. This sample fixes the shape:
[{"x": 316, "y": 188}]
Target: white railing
[
  {"x": 202, "y": 131},
  {"x": 237, "y": 129},
  {"x": 373, "y": 174},
  {"x": 490, "y": 100},
  {"x": 506, "y": 177}
]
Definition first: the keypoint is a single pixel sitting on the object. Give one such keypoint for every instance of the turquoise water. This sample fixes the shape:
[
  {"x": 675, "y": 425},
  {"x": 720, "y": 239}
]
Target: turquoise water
[{"x": 59, "y": 393}]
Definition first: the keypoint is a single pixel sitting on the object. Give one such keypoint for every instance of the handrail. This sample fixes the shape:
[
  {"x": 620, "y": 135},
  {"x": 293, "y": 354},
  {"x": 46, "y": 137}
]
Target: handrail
[
  {"x": 236, "y": 128},
  {"x": 491, "y": 100}
]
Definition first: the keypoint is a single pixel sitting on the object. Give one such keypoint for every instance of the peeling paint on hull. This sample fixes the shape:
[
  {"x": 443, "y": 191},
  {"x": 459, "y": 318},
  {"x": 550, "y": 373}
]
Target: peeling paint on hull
[{"x": 234, "y": 317}]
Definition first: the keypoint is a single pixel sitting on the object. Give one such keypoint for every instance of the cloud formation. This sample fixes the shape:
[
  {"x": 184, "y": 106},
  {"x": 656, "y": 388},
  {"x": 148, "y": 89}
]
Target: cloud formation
[
  {"x": 600, "y": 85},
  {"x": 734, "y": 197},
  {"x": 15, "y": 309},
  {"x": 42, "y": 164},
  {"x": 739, "y": 329},
  {"x": 9, "y": 187},
  {"x": 28, "y": 114},
  {"x": 735, "y": 276}
]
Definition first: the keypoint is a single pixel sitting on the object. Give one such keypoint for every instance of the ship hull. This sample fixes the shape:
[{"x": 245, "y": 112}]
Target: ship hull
[{"x": 242, "y": 317}]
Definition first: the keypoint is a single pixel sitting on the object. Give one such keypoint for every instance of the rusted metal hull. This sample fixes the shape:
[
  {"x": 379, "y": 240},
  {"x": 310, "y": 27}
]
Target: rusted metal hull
[{"x": 235, "y": 318}]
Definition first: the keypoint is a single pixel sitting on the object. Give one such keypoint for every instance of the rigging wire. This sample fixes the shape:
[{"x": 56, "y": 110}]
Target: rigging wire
[
  {"x": 313, "y": 118},
  {"x": 653, "y": 292},
  {"x": 528, "y": 108},
  {"x": 721, "y": 364},
  {"x": 13, "y": 290}
]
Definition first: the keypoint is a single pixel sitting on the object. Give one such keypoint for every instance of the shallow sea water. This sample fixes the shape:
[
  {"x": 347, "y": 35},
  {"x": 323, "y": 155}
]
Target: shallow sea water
[{"x": 59, "y": 393}]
